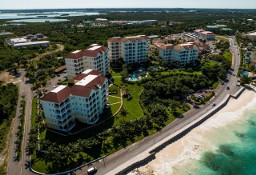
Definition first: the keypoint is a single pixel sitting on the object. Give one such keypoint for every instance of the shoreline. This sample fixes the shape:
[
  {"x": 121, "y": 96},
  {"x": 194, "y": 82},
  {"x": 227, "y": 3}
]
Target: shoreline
[{"x": 190, "y": 147}]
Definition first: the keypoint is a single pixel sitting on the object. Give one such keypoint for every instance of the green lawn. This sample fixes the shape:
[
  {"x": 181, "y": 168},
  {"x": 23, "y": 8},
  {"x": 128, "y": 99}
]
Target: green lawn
[
  {"x": 132, "y": 106},
  {"x": 114, "y": 99},
  {"x": 216, "y": 84},
  {"x": 115, "y": 88},
  {"x": 33, "y": 115},
  {"x": 118, "y": 80},
  {"x": 115, "y": 107},
  {"x": 223, "y": 39},
  {"x": 228, "y": 55},
  {"x": 39, "y": 165},
  {"x": 115, "y": 72}
]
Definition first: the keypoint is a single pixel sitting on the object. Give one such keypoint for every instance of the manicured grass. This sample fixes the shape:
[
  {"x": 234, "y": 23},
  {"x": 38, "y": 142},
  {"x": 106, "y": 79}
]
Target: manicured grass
[
  {"x": 114, "y": 99},
  {"x": 132, "y": 106},
  {"x": 115, "y": 88},
  {"x": 118, "y": 80},
  {"x": 223, "y": 39},
  {"x": 228, "y": 55},
  {"x": 115, "y": 107},
  {"x": 39, "y": 165},
  {"x": 216, "y": 84},
  {"x": 34, "y": 111}
]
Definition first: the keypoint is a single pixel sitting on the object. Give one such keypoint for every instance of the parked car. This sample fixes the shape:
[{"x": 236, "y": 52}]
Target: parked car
[{"x": 92, "y": 170}]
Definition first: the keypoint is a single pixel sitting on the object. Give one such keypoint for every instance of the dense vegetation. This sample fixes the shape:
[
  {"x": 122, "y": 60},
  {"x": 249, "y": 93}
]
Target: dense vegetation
[
  {"x": 19, "y": 133},
  {"x": 40, "y": 71},
  {"x": 78, "y": 38},
  {"x": 8, "y": 102}
]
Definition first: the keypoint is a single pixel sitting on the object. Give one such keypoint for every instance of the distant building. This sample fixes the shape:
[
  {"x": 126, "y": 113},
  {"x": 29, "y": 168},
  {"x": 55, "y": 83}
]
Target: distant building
[
  {"x": 32, "y": 44},
  {"x": 14, "y": 41},
  {"x": 215, "y": 28},
  {"x": 182, "y": 54},
  {"x": 132, "y": 49},
  {"x": 207, "y": 35},
  {"x": 26, "y": 42},
  {"x": 251, "y": 36},
  {"x": 39, "y": 35},
  {"x": 101, "y": 22},
  {"x": 94, "y": 57},
  {"x": 84, "y": 101}
]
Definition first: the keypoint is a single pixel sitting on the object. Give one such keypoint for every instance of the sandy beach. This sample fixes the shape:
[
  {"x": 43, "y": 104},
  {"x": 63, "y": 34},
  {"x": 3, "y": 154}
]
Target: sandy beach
[{"x": 190, "y": 147}]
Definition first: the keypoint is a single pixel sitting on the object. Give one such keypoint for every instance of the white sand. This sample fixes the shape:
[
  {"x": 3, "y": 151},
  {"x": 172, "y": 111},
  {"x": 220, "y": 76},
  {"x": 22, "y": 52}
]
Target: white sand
[{"x": 189, "y": 147}]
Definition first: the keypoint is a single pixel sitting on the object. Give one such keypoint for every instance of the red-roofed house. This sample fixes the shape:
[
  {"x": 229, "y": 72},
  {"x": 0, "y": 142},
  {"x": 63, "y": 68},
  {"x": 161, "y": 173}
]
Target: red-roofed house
[
  {"x": 94, "y": 57},
  {"x": 182, "y": 53},
  {"x": 132, "y": 49},
  {"x": 205, "y": 34},
  {"x": 84, "y": 101}
]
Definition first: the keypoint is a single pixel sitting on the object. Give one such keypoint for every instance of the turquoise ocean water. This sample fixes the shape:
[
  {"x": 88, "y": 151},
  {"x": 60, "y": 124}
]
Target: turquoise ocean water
[{"x": 235, "y": 152}]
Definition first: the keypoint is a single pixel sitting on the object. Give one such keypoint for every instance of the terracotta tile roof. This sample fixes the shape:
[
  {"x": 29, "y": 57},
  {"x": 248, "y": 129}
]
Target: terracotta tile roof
[
  {"x": 83, "y": 75},
  {"x": 61, "y": 96},
  {"x": 76, "y": 55},
  {"x": 177, "y": 47},
  {"x": 199, "y": 30},
  {"x": 125, "y": 39},
  {"x": 187, "y": 47},
  {"x": 59, "y": 69},
  {"x": 88, "y": 52},
  {"x": 77, "y": 90},
  {"x": 164, "y": 46},
  {"x": 93, "y": 53},
  {"x": 84, "y": 91},
  {"x": 115, "y": 39}
]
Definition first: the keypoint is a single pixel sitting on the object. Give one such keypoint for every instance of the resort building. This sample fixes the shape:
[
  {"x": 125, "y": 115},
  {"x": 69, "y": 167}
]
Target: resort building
[
  {"x": 131, "y": 50},
  {"x": 23, "y": 42},
  {"x": 182, "y": 54},
  {"x": 210, "y": 36},
  {"x": 84, "y": 101},
  {"x": 251, "y": 36},
  {"x": 94, "y": 57}
]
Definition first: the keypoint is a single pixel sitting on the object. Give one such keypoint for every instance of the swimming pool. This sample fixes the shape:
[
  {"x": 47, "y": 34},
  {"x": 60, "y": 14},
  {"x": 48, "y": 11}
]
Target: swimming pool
[{"x": 245, "y": 73}]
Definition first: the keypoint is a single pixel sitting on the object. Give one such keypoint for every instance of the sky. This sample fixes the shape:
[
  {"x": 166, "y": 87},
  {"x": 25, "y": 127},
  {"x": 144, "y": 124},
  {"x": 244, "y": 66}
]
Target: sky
[{"x": 52, "y": 4}]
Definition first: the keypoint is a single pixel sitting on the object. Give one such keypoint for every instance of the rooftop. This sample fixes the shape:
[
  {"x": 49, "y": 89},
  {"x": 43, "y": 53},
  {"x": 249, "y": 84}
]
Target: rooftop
[
  {"x": 91, "y": 51},
  {"x": 58, "y": 89},
  {"x": 85, "y": 81}
]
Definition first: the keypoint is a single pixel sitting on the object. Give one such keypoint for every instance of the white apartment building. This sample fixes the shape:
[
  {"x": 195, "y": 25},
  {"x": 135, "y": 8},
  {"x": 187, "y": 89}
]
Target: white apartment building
[
  {"x": 182, "y": 53},
  {"x": 94, "y": 57},
  {"x": 132, "y": 49},
  {"x": 84, "y": 101}
]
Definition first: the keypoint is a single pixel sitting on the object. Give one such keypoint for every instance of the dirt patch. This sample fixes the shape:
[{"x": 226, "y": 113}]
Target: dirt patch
[{"x": 7, "y": 78}]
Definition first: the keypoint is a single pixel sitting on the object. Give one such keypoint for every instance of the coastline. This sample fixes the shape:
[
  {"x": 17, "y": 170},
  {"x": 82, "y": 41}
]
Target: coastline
[{"x": 191, "y": 146}]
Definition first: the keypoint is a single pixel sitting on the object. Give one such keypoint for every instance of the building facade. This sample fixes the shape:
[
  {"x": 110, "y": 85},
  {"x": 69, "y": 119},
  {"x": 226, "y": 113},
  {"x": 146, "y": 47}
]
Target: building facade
[
  {"x": 207, "y": 35},
  {"x": 131, "y": 50},
  {"x": 182, "y": 54},
  {"x": 84, "y": 101},
  {"x": 94, "y": 57}
]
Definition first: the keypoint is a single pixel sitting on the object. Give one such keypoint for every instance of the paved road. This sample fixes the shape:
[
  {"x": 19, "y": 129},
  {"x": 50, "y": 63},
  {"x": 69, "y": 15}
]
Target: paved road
[
  {"x": 114, "y": 162},
  {"x": 20, "y": 167}
]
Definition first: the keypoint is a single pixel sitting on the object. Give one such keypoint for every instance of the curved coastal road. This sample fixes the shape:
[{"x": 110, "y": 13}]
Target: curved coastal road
[{"x": 116, "y": 162}]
